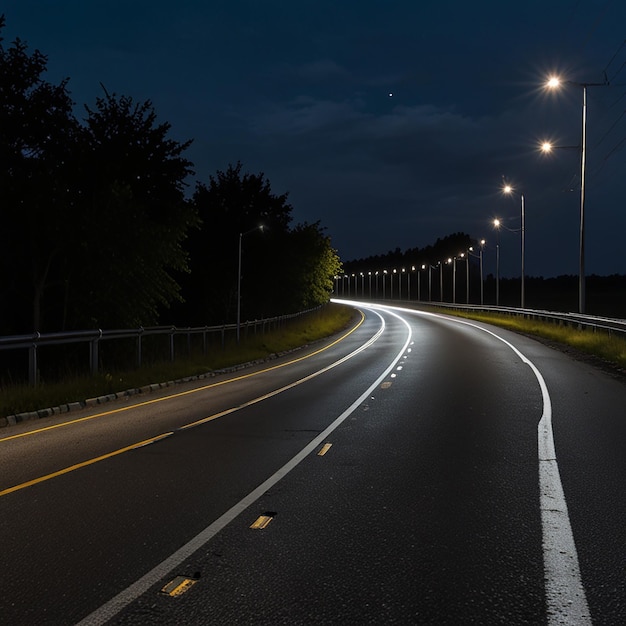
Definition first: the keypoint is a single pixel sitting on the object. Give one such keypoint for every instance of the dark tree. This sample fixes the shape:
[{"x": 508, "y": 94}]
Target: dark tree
[
  {"x": 37, "y": 199},
  {"x": 93, "y": 215},
  {"x": 134, "y": 216},
  {"x": 310, "y": 264},
  {"x": 232, "y": 203},
  {"x": 283, "y": 270}
]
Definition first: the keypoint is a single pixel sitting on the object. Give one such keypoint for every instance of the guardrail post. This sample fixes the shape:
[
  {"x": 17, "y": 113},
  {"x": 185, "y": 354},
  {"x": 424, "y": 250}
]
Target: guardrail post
[
  {"x": 139, "y": 334},
  {"x": 32, "y": 365},
  {"x": 172, "y": 331},
  {"x": 93, "y": 353}
]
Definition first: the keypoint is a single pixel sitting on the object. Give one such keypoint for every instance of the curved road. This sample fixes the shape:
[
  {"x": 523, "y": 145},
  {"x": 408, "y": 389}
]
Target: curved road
[{"x": 417, "y": 469}]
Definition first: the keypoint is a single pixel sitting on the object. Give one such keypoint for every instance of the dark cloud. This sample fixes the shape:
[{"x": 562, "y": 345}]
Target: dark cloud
[{"x": 300, "y": 91}]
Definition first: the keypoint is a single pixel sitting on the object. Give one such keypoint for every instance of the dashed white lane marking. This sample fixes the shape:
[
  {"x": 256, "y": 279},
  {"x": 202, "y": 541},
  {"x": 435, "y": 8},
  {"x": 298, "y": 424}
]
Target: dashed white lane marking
[
  {"x": 124, "y": 598},
  {"x": 565, "y": 595}
]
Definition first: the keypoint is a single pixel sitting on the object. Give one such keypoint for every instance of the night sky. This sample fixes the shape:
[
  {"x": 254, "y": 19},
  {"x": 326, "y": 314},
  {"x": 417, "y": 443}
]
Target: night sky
[{"x": 393, "y": 122}]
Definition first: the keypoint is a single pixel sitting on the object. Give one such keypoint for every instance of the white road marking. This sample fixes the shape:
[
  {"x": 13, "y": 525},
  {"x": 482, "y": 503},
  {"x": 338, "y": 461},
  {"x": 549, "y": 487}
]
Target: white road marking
[
  {"x": 108, "y": 610},
  {"x": 565, "y": 595}
]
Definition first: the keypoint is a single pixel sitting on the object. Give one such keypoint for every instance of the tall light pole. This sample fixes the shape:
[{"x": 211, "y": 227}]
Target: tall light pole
[
  {"x": 241, "y": 236},
  {"x": 430, "y": 281},
  {"x": 453, "y": 280},
  {"x": 496, "y": 224},
  {"x": 482, "y": 283},
  {"x": 440, "y": 281},
  {"x": 554, "y": 82},
  {"x": 467, "y": 274},
  {"x": 408, "y": 286},
  {"x": 509, "y": 190}
]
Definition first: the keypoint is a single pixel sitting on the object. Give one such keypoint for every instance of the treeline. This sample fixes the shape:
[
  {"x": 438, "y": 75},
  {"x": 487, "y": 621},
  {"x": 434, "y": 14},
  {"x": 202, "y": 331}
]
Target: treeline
[
  {"x": 412, "y": 279},
  {"x": 444, "y": 248},
  {"x": 97, "y": 229}
]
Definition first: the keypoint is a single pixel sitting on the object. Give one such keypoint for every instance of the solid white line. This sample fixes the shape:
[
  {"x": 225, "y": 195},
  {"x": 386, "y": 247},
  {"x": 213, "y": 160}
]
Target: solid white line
[
  {"x": 124, "y": 598},
  {"x": 565, "y": 595}
]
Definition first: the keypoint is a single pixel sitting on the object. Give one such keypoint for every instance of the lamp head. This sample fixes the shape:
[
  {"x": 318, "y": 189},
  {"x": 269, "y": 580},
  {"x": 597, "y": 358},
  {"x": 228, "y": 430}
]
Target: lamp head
[{"x": 554, "y": 82}]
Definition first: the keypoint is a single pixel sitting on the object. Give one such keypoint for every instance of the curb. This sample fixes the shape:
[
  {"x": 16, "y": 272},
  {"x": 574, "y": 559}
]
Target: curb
[{"x": 18, "y": 418}]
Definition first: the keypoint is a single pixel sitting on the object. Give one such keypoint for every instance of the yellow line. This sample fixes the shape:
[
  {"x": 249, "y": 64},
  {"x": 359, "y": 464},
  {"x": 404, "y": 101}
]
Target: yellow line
[
  {"x": 134, "y": 446},
  {"x": 71, "y": 468},
  {"x": 185, "y": 393}
]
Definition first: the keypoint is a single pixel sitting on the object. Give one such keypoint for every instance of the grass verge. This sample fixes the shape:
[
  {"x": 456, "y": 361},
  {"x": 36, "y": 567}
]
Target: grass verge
[
  {"x": 330, "y": 319},
  {"x": 609, "y": 348}
]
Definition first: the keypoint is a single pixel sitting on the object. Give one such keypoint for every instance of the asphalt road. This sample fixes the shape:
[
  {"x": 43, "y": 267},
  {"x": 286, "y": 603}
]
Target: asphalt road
[{"x": 438, "y": 498}]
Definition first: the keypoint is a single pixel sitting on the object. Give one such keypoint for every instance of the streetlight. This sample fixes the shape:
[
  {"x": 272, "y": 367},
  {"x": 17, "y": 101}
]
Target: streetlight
[
  {"x": 241, "y": 236},
  {"x": 554, "y": 82},
  {"x": 480, "y": 258},
  {"x": 453, "y": 280},
  {"x": 469, "y": 251},
  {"x": 419, "y": 287},
  {"x": 407, "y": 284},
  {"x": 440, "y": 263},
  {"x": 496, "y": 224},
  {"x": 509, "y": 190}
]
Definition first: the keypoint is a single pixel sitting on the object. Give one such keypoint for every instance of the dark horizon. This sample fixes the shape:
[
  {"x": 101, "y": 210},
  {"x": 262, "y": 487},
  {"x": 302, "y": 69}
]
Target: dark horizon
[{"x": 392, "y": 127}]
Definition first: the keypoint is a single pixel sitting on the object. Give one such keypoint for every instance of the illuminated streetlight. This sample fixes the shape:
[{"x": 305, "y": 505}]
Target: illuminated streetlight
[
  {"x": 509, "y": 190},
  {"x": 497, "y": 224},
  {"x": 440, "y": 281},
  {"x": 554, "y": 82},
  {"x": 480, "y": 256}
]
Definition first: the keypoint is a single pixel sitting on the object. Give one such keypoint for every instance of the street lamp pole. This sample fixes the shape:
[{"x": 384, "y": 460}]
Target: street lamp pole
[
  {"x": 496, "y": 223},
  {"x": 509, "y": 189},
  {"x": 553, "y": 83},
  {"x": 482, "y": 284},
  {"x": 522, "y": 296},
  {"x": 581, "y": 255},
  {"x": 467, "y": 276},
  {"x": 440, "y": 281},
  {"x": 454, "y": 281},
  {"x": 241, "y": 236}
]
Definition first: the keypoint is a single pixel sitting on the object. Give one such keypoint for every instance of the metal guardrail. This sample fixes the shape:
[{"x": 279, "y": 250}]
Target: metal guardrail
[
  {"x": 577, "y": 320},
  {"x": 94, "y": 337}
]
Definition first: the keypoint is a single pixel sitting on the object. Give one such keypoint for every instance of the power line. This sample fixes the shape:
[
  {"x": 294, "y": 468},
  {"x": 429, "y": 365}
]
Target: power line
[
  {"x": 615, "y": 123},
  {"x": 606, "y": 69},
  {"x": 595, "y": 25}
]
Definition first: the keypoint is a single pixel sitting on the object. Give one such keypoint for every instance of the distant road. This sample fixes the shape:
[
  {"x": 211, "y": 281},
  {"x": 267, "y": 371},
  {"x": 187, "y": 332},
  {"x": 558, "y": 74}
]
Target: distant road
[{"x": 408, "y": 471}]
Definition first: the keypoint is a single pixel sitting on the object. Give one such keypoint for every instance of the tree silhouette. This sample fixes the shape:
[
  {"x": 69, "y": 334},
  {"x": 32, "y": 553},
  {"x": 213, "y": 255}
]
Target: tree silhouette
[
  {"x": 277, "y": 264},
  {"x": 37, "y": 135},
  {"x": 134, "y": 215}
]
